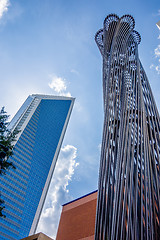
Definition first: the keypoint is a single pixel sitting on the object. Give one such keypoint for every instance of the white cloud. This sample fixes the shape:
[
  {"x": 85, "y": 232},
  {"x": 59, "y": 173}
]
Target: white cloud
[
  {"x": 99, "y": 147},
  {"x": 78, "y": 106},
  {"x": 158, "y": 69},
  {"x": 74, "y": 71},
  {"x": 58, "y": 84},
  {"x": 4, "y": 4},
  {"x": 157, "y": 56},
  {"x": 157, "y": 51},
  {"x": 58, "y": 193},
  {"x": 67, "y": 94},
  {"x": 151, "y": 66}
]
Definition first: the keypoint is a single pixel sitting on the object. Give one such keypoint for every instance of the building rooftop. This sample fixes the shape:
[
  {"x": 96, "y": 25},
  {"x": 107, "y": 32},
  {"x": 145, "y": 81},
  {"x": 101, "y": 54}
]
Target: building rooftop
[
  {"x": 79, "y": 198},
  {"x": 38, "y": 236}
]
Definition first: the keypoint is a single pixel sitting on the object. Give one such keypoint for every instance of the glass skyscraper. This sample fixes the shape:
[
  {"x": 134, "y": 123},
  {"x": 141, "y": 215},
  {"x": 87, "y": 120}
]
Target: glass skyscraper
[
  {"x": 129, "y": 177},
  {"x": 42, "y": 121}
]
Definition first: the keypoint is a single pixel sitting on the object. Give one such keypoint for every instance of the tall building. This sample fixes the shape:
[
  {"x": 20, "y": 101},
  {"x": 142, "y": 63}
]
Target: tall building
[
  {"x": 77, "y": 220},
  {"x": 42, "y": 121},
  {"x": 128, "y": 205}
]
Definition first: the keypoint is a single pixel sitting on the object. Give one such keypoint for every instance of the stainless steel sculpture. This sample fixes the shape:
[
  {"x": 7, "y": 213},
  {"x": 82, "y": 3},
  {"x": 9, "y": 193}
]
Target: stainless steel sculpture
[{"x": 128, "y": 205}]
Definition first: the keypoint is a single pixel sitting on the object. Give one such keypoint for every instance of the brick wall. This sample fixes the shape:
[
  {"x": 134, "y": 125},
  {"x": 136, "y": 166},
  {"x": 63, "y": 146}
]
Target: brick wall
[{"x": 78, "y": 219}]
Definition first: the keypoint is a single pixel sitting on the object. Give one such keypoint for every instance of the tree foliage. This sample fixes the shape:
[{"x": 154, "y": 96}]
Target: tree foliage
[{"x": 7, "y": 139}]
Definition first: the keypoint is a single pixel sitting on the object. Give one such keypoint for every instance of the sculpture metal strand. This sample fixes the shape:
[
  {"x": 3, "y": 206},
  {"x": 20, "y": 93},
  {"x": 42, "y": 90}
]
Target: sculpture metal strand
[{"x": 128, "y": 205}]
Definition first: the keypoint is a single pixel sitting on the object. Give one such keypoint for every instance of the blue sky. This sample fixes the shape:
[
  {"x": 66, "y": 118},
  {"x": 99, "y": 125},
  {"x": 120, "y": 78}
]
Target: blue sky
[{"x": 48, "y": 47}]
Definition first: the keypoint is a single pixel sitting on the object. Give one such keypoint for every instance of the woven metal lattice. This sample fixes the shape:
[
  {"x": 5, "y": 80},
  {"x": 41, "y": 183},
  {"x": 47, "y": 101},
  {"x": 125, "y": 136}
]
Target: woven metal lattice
[{"x": 128, "y": 205}]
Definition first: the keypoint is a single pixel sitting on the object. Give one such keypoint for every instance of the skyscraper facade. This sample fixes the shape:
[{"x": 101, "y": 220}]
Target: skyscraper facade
[
  {"x": 128, "y": 205},
  {"x": 42, "y": 121}
]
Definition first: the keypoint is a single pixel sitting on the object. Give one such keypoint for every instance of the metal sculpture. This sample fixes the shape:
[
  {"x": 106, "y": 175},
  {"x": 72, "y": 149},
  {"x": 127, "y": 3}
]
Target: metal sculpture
[{"x": 128, "y": 205}]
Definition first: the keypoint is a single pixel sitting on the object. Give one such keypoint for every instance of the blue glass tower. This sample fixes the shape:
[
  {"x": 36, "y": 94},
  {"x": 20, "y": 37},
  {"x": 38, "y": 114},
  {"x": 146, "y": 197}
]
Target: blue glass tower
[{"x": 42, "y": 121}]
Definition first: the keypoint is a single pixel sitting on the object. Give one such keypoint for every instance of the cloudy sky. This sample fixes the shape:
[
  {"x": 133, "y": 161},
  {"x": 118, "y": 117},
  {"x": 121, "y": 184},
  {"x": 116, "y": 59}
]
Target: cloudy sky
[{"x": 48, "y": 47}]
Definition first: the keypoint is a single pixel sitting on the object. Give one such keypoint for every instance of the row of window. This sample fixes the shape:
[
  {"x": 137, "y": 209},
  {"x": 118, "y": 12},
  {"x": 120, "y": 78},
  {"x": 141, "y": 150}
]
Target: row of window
[
  {"x": 15, "y": 205},
  {"x": 11, "y": 195},
  {"x": 5, "y": 235},
  {"x": 23, "y": 155},
  {"x": 21, "y": 160},
  {"x": 18, "y": 162},
  {"x": 16, "y": 181},
  {"x": 11, "y": 208},
  {"x": 22, "y": 177},
  {"x": 23, "y": 148},
  {"x": 8, "y": 230},
  {"x": 12, "y": 186}
]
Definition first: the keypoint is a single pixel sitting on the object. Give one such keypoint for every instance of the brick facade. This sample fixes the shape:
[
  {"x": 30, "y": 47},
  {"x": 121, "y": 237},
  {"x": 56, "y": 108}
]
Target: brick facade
[{"x": 78, "y": 219}]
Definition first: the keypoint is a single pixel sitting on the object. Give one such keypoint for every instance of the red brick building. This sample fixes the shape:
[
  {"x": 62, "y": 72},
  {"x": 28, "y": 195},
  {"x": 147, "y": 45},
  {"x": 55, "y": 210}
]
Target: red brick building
[{"x": 77, "y": 220}]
